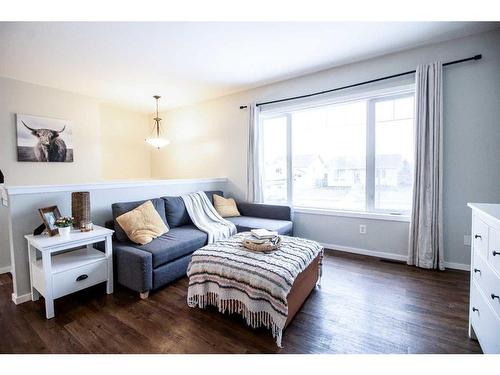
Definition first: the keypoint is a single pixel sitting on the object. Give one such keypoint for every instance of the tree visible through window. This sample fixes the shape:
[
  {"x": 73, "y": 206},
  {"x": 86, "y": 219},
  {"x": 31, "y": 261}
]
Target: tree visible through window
[{"x": 356, "y": 155}]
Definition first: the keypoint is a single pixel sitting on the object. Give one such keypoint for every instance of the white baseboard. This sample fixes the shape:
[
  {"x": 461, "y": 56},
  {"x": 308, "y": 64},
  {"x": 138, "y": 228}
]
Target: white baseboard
[
  {"x": 457, "y": 266},
  {"x": 21, "y": 299},
  {"x": 4, "y": 270},
  {"x": 384, "y": 255},
  {"x": 371, "y": 253}
]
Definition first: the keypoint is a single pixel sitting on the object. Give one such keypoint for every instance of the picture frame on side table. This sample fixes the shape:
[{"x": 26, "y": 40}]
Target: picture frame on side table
[{"x": 49, "y": 216}]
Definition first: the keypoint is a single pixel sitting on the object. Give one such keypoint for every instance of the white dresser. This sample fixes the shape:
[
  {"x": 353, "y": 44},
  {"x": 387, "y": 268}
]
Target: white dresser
[{"x": 484, "y": 309}]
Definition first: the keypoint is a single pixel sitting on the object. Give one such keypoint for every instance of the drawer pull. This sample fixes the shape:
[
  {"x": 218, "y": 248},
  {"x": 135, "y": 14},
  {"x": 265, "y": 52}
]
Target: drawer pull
[
  {"x": 82, "y": 277},
  {"x": 474, "y": 309},
  {"x": 478, "y": 236},
  {"x": 476, "y": 270},
  {"x": 495, "y": 253},
  {"x": 493, "y": 296}
]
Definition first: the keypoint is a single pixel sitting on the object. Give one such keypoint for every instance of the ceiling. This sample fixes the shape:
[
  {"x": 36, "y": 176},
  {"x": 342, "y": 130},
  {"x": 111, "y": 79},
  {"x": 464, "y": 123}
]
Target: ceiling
[{"x": 126, "y": 63}]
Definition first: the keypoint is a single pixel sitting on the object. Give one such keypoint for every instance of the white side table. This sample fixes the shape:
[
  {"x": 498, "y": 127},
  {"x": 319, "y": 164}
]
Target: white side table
[{"x": 57, "y": 274}]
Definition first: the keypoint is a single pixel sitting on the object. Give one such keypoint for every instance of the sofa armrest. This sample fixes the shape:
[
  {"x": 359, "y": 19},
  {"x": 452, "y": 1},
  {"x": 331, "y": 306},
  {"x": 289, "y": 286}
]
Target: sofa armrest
[
  {"x": 134, "y": 267},
  {"x": 267, "y": 211}
]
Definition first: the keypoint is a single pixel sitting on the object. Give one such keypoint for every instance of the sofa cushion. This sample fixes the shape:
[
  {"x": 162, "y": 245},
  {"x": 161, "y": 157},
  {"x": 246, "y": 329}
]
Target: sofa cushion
[
  {"x": 246, "y": 223},
  {"x": 175, "y": 209},
  {"x": 176, "y": 243},
  {"x": 268, "y": 211},
  {"x": 176, "y": 212},
  {"x": 210, "y": 194},
  {"x": 124, "y": 207}
]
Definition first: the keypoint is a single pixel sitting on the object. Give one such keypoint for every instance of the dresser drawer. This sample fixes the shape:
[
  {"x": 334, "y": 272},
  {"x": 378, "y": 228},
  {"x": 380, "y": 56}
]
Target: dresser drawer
[
  {"x": 484, "y": 321},
  {"x": 480, "y": 271},
  {"x": 487, "y": 281},
  {"x": 494, "y": 249},
  {"x": 479, "y": 235},
  {"x": 75, "y": 279}
]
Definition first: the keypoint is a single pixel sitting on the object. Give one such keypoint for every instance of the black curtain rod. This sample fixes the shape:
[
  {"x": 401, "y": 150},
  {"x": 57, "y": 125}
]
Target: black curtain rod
[{"x": 476, "y": 57}]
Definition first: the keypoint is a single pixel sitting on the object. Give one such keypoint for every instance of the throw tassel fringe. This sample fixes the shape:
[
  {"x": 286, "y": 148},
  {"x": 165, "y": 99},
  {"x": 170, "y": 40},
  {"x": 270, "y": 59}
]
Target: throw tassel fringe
[{"x": 254, "y": 319}]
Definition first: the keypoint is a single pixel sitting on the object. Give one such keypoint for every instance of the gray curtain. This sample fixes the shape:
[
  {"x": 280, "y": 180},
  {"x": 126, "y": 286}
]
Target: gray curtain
[
  {"x": 426, "y": 226},
  {"x": 254, "y": 158}
]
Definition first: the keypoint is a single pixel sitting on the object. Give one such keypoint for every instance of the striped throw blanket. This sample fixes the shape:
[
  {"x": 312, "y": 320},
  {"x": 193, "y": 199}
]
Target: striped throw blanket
[{"x": 254, "y": 284}]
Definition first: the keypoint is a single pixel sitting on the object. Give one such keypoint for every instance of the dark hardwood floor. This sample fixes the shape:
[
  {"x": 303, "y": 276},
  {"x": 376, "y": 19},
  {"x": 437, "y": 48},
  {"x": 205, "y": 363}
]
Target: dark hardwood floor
[{"x": 364, "y": 305}]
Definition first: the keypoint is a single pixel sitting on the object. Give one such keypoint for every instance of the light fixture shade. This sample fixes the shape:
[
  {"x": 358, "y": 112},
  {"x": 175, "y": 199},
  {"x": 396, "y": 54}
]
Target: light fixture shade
[{"x": 157, "y": 142}]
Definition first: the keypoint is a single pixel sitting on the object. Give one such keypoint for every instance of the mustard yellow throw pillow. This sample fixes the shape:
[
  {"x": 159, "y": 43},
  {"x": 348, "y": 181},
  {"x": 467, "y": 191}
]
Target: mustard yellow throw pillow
[
  {"x": 142, "y": 224},
  {"x": 226, "y": 207}
]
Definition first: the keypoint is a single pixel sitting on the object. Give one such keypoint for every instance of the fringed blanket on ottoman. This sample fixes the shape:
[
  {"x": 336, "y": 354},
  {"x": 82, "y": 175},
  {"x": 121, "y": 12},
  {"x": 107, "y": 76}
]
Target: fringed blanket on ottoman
[{"x": 253, "y": 284}]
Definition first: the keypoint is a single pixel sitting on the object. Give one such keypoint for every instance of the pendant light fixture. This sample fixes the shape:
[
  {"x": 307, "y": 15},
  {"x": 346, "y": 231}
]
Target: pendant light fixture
[{"x": 157, "y": 140}]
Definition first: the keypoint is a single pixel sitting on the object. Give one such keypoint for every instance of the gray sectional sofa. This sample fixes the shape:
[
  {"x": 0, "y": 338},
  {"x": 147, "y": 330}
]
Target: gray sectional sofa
[{"x": 147, "y": 267}]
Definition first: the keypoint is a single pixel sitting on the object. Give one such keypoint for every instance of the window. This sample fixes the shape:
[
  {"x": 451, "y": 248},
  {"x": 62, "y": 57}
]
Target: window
[
  {"x": 393, "y": 154},
  {"x": 354, "y": 155},
  {"x": 275, "y": 160}
]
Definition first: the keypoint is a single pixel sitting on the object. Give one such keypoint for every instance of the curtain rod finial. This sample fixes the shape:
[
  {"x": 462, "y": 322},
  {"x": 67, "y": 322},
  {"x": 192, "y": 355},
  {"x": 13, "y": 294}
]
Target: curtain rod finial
[
  {"x": 243, "y": 106},
  {"x": 478, "y": 57}
]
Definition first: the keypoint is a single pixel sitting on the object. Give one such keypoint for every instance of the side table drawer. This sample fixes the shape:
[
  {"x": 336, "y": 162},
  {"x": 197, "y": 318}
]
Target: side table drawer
[{"x": 75, "y": 279}]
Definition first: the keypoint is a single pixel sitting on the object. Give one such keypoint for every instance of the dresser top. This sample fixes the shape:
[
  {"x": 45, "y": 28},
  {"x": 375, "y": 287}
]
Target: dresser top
[{"x": 490, "y": 209}]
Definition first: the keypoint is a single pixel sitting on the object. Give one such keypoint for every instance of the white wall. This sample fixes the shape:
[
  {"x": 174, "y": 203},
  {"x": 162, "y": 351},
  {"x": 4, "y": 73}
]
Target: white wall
[
  {"x": 25, "y": 98},
  {"x": 124, "y": 153},
  {"x": 24, "y": 216},
  {"x": 108, "y": 141},
  {"x": 210, "y": 138}
]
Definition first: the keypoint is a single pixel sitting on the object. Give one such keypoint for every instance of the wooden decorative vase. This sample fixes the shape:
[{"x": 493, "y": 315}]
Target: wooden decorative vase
[{"x": 80, "y": 208}]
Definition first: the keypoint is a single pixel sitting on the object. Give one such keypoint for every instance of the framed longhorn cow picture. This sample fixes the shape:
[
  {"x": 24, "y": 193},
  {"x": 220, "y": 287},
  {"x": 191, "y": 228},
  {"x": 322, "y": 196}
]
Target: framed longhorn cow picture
[{"x": 43, "y": 139}]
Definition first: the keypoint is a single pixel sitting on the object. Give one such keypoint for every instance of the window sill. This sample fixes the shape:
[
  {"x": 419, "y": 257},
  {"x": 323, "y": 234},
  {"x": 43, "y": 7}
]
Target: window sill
[{"x": 353, "y": 214}]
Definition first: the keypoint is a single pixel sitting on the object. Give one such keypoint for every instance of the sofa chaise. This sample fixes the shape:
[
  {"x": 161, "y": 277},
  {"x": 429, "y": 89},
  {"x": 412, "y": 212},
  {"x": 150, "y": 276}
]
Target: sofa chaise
[{"x": 142, "y": 268}]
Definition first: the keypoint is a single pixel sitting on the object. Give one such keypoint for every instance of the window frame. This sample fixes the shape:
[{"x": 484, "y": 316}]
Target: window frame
[
  {"x": 371, "y": 135},
  {"x": 371, "y": 99}
]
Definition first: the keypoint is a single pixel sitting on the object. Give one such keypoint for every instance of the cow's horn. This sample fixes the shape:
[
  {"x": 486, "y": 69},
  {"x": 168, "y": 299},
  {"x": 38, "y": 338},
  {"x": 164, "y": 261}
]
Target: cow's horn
[{"x": 33, "y": 130}]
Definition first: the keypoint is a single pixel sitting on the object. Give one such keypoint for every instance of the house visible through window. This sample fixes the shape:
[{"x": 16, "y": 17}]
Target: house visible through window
[{"x": 355, "y": 155}]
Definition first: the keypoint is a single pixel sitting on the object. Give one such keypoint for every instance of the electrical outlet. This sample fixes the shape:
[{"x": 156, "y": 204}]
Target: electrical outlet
[
  {"x": 362, "y": 229},
  {"x": 467, "y": 240}
]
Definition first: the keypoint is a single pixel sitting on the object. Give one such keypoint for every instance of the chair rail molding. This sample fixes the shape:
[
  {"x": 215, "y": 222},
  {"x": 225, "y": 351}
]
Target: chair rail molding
[{"x": 36, "y": 189}]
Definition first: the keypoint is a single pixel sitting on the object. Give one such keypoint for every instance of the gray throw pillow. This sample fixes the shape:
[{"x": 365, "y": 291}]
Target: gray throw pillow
[{"x": 175, "y": 211}]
